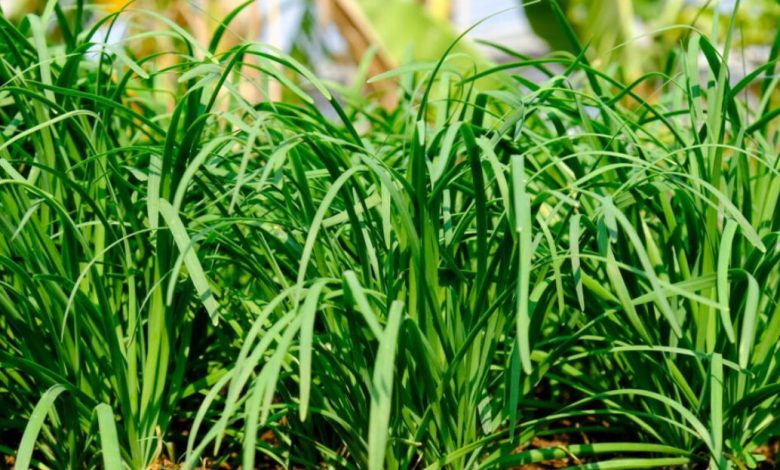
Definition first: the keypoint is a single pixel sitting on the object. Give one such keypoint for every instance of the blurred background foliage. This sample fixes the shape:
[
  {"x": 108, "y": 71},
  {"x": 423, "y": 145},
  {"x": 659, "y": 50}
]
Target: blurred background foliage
[
  {"x": 637, "y": 35},
  {"x": 624, "y": 37}
]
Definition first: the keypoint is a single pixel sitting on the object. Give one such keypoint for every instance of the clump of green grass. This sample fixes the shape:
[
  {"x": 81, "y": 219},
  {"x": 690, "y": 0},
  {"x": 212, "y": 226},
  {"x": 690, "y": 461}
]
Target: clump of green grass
[{"x": 187, "y": 274}]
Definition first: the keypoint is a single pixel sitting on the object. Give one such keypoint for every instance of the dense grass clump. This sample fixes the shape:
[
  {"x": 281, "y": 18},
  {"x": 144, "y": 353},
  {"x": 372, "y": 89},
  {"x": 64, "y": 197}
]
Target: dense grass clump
[{"x": 186, "y": 275}]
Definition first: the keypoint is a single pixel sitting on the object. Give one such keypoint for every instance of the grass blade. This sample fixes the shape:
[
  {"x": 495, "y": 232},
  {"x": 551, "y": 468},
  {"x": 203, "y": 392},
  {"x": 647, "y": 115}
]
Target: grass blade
[
  {"x": 33, "y": 427},
  {"x": 382, "y": 389}
]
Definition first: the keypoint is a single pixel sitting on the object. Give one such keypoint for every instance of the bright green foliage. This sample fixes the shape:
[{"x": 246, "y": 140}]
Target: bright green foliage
[{"x": 432, "y": 286}]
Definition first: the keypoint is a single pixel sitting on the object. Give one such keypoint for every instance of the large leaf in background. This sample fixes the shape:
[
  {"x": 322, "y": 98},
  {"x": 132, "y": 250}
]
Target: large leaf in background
[
  {"x": 405, "y": 26},
  {"x": 542, "y": 20},
  {"x": 607, "y": 24},
  {"x": 405, "y": 30}
]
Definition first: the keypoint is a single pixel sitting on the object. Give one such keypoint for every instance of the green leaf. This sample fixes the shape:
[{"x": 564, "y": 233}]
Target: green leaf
[
  {"x": 33, "y": 427},
  {"x": 109, "y": 440},
  {"x": 522, "y": 209},
  {"x": 382, "y": 389},
  {"x": 724, "y": 257},
  {"x": 191, "y": 261},
  {"x": 308, "y": 311}
]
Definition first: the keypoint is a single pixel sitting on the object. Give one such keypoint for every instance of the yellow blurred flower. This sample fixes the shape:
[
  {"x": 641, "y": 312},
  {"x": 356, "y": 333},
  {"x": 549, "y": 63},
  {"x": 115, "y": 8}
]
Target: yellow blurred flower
[{"x": 112, "y": 6}]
